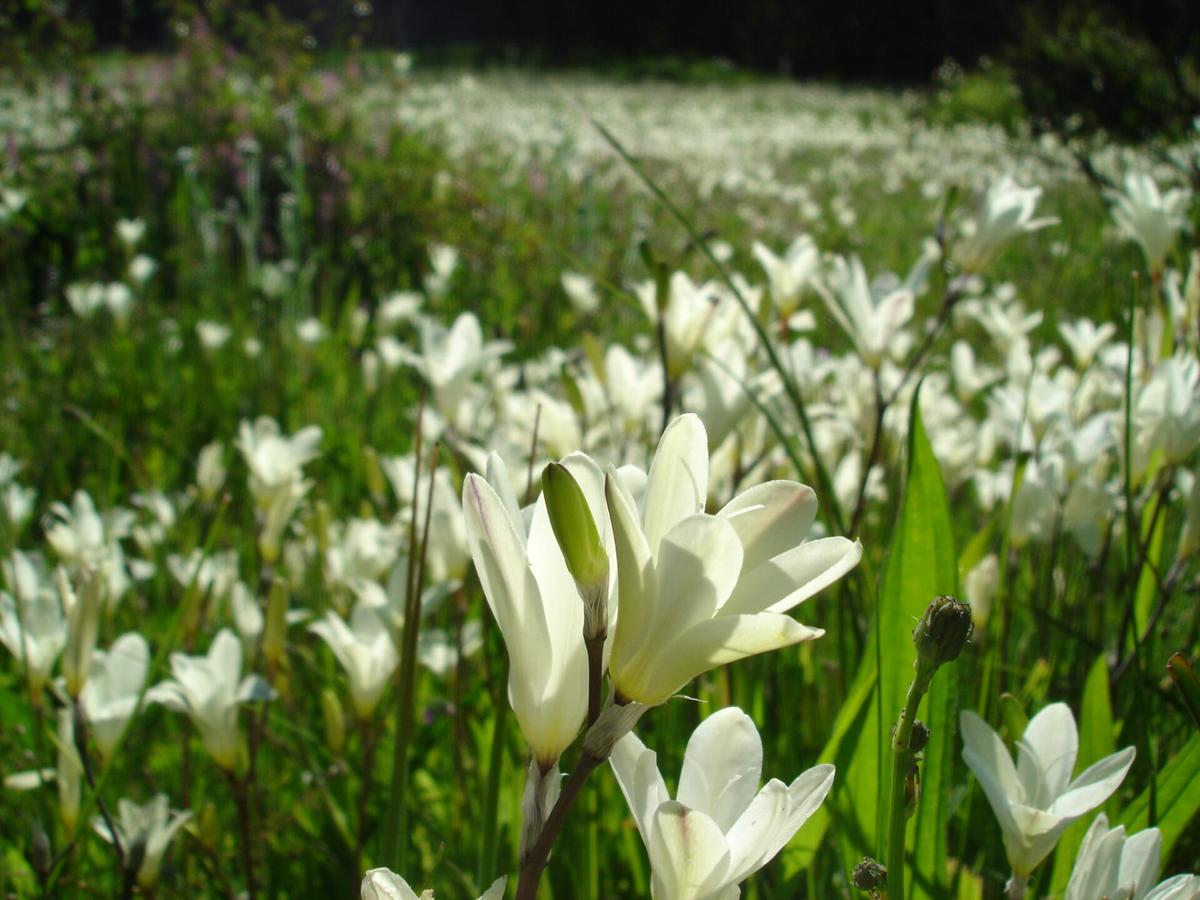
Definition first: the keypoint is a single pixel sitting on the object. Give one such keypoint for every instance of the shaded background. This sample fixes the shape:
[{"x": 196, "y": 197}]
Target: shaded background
[{"x": 850, "y": 39}]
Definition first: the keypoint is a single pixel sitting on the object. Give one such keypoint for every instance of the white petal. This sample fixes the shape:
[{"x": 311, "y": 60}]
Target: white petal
[
  {"x": 1095, "y": 785},
  {"x": 792, "y": 577},
  {"x": 1046, "y": 753},
  {"x": 770, "y": 518},
  {"x": 713, "y": 643},
  {"x": 988, "y": 758},
  {"x": 722, "y": 767},
  {"x": 687, "y": 853},
  {"x": 636, "y": 769},
  {"x": 678, "y": 481}
]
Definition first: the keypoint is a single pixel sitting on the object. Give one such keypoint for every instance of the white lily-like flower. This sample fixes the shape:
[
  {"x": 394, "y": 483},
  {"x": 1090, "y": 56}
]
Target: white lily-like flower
[
  {"x": 581, "y": 291},
  {"x": 1113, "y": 866},
  {"x": 275, "y": 460},
  {"x": 693, "y": 316},
  {"x": 450, "y": 358},
  {"x": 696, "y": 591},
  {"x": 276, "y": 474},
  {"x": 384, "y": 884},
  {"x": 1036, "y": 800},
  {"x": 209, "y": 690},
  {"x": 86, "y": 539},
  {"x": 1006, "y": 212},
  {"x": 871, "y": 317},
  {"x": 210, "y": 470},
  {"x": 535, "y": 602},
  {"x": 111, "y": 693},
  {"x": 791, "y": 274},
  {"x": 152, "y": 826},
  {"x": 720, "y": 829},
  {"x": 32, "y": 624},
  {"x": 1152, "y": 219},
  {"x": 366, "y": 650}
]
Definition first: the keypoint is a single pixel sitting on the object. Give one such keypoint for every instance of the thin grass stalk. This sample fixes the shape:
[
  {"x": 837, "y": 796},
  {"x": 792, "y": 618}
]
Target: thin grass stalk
[{"x": 831, "y": 507}]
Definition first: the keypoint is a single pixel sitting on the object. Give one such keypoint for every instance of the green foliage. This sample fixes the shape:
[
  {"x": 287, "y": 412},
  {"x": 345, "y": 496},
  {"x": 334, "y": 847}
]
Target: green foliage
[
  {"x": 986, "y": 95},
  {"x": 1088, "y": 69}
]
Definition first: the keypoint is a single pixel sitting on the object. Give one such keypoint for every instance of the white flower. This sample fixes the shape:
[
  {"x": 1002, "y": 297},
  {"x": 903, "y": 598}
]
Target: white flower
[
  {"x": 721, "y": 828},
  {"x": 85, "y": 299},
  {"x": 791, "y": 274},
  {"x": 1151, "y": 219},
  {"x": 697, "y": 591},
  {"x": 1167, "y": 412},
  {"x": 366, "y": 650},
  {"x": 535, "y": 602},
  {"x": 581, "y": 291},
  {"x": 130, "y": 231},
  {"x": 693, "y": 317},
  {"x": 36, "y": 632},
  {"x": 450, "y": 358},
  {"x": 443, "y": 260},
  {"x": 310, "y": 331},
  {"x": 1114, "y": 867},
  {"x": 212, "y": 335},
  {"x": 1006, "y": 212},
  {"x": 1035, "y": 801},
  {"x": 871, "y": 317},
  {"x": 401, "y": 306},
  {"x": 209, "y": 689},
  {"x": 384, "y": 884},
  {"x": 152, "y": 826},
  {"x": 275, "y": 461},
  {"x": 210, "y": 470},
  {"x": 111, "y": 693},
  {"x": 141, "y": 268}
]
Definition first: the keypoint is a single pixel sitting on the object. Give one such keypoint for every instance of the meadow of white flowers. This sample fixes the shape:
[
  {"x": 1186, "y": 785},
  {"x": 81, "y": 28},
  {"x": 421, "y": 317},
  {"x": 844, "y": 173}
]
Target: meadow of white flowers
[{"x": 317, "y": 658}]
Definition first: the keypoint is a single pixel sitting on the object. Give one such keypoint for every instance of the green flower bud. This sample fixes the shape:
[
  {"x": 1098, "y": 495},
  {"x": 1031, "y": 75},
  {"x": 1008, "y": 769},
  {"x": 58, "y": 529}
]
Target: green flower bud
[
  {"x": 274, "y": 632},
  {"x": 335, "y": 720},
  {"x": 579, "y": 539},
  {"x": 942, "y": 633}
]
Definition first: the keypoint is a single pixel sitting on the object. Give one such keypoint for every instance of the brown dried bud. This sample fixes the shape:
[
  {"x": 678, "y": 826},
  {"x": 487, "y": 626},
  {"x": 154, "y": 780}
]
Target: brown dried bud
[{"x": 869, "y": 875}]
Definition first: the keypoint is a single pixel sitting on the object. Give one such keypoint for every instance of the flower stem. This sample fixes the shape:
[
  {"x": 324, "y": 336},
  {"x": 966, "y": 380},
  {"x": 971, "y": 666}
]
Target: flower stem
[
  {"x": 535, "y": 860},
  {"x": 903, "y": 761}
]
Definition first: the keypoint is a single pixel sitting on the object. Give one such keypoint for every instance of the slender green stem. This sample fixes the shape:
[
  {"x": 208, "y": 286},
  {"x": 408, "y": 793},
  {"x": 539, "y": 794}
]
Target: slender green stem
[
  {"x": 903, "y": 760},
  {"x": 491, "y": 802}
]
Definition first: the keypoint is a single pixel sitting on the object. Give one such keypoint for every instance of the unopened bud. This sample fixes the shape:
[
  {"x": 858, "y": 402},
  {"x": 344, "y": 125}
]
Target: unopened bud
[
  {"x": 334, "y": 719},
  {"x": 274, "y": 632},
  {"x": 869, "y": 875},
  {"x": 373, "y": 472},
  {"x": 919, "y": 739},
  {"x": 942, "y": 633},
  {"x": 579, "y": 539},
  {"x": 912, "y": 792},
  {"x": 40, "y": 857}
]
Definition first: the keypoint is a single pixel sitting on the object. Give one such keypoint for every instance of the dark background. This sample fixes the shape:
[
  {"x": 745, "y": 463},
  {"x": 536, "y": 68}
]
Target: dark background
[{"x": 859, "y": 40}]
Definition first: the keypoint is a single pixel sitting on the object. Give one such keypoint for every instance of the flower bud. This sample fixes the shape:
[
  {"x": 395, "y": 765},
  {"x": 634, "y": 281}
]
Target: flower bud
[
  {"x": 869, "y": 875},
  {"x": 373, "y": 473},
  {"x": 578, "y": 538},
  {"x": 83, "y": 628},
  {"x": 334, "y": 719},
  {"x": 274, "y": 632},
  {"x": 919, "y": 739},
  {"x": 942, "y": 633},
  {"x": 40, "y": 857}
]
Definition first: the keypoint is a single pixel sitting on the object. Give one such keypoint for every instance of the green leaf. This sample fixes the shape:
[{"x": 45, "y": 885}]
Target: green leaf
[
  {"x": 1178, "y": 786},
  {"x": 921, "y": 565},
  {"x": 1095, "y": 743}
]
